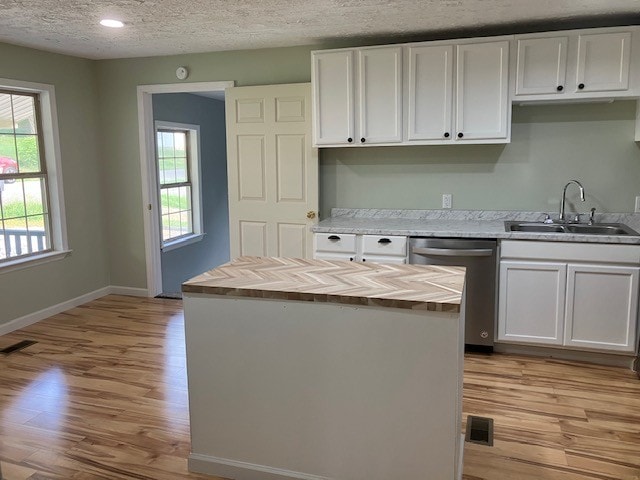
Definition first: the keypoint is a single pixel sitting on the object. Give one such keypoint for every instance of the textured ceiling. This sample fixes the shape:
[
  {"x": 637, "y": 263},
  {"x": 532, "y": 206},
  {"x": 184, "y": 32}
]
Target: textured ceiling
[{"x": 163, "y": 27}]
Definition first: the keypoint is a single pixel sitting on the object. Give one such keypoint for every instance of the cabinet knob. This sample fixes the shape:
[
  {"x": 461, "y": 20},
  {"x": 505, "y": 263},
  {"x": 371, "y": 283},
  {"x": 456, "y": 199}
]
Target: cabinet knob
[
  {"x": 460, "y": 135},
  {"x": 364, "y": 259},
  {"x": 351, "y": 259},
  {"x": 446, "y": 134},
  {"x": 311, "y": 214},
  {"x": 560, "y": 88},
  {"x": 581, "y": 86},
  {"x": 362, "y": 139},
  {"x": 349, "y": 139}
]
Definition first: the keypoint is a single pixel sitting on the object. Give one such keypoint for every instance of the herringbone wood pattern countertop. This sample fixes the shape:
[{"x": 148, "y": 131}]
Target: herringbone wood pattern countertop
[{"x": 400, "y": 286}]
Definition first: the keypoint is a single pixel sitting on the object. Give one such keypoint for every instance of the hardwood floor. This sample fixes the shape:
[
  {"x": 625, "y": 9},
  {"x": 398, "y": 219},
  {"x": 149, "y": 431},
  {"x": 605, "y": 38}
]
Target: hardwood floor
[{"x": 102, "y": 395}]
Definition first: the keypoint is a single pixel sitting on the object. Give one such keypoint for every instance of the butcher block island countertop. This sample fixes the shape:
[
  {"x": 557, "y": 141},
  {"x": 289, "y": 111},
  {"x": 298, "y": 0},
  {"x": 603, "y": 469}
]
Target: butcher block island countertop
[
  {"x": 401, "y": 286},
  {"x": 318, "y": 370}
]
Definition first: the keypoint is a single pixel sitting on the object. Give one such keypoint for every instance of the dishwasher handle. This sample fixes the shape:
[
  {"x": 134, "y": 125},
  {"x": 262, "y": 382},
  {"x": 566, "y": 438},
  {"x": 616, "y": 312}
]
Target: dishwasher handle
[{"x": 453, "y": 252}]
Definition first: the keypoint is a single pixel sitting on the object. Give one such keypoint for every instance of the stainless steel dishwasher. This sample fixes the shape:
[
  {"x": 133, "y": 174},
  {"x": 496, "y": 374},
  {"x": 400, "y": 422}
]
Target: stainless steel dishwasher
[{"x": 479, "y": 257}]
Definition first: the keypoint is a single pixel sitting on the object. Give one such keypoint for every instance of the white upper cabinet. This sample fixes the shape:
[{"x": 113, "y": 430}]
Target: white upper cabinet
[
  {"x": 380, "y": 94},
  {"x": 603, "y": 62},
  {"x": 430, "y": 92},
  {"x": 461, "y": 91},
  {"x": 458, "y": 93},
  {"x": 333, "y": 97},
  {"x": 577, "y": 65},
  {"x": 357, "y": 96},
  {"x": 541, "y": 65},
  {"x": 482, "y": 91}
]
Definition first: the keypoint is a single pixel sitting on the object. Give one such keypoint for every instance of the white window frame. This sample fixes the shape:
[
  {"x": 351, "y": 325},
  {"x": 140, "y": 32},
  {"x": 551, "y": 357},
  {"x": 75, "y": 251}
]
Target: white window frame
[
  {"x": 51, "y": 140},
  {"x": 196, "y": 192}
]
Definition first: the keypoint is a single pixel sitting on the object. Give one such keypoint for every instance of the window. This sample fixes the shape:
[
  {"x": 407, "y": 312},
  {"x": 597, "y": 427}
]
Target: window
[
  {"x": 31, "y": 214},
  {"x": 177, "y": 153}
]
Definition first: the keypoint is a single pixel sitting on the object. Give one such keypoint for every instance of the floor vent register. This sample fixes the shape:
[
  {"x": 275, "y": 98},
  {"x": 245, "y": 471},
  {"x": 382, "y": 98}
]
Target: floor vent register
[
  {"x": 479, "y": 430},
  {"x": 17, "y": 346}
]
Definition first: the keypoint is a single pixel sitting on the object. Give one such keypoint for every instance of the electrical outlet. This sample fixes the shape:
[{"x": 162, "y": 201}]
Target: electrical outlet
[
  {"x": 637, "y": 209},
  {"x": 446, "y": 200}
]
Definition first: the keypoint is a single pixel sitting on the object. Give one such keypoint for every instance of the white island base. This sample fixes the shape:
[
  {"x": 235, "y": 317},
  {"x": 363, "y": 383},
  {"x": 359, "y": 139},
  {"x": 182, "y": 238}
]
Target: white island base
[{"x": 285, "y": 389}]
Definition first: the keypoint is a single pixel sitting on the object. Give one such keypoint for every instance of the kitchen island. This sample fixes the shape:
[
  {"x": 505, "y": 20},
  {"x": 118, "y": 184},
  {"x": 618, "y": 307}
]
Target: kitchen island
[{"x": 316, "y": 369}]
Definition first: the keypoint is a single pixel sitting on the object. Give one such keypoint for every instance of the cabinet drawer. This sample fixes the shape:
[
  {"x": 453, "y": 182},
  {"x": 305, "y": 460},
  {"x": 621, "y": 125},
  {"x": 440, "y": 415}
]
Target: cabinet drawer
[
  {"x": 384, "y": 245},
  {"x": 394, "y": 260},
  {"x": 335, "y": 242},
  {"x": 345, "y": 257}
]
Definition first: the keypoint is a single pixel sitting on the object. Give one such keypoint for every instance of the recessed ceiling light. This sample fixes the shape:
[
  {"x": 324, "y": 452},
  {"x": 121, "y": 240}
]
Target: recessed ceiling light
[{"x": 108, "y": 22}]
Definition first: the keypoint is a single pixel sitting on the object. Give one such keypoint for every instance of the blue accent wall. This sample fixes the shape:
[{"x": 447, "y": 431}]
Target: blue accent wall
[{"x": 186, "y": 262}]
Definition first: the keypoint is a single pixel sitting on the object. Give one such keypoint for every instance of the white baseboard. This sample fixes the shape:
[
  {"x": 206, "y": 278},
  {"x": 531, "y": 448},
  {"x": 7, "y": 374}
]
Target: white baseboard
[
  {"x": 609, "y": 359},
  {"x": 226, "y": 468},
  {"x": 130, "y": 291},
  {"x": 35, "y": 317}
]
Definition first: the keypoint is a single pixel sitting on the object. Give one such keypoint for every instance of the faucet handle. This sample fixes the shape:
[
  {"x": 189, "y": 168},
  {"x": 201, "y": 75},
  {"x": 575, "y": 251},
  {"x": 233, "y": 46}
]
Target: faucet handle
[
  {"x": 592, "y": 216},
  {"x": 547, "y": 218}
]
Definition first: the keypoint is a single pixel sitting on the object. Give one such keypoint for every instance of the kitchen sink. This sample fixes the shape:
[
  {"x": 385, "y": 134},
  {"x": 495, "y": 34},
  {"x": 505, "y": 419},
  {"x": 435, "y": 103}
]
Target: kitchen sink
[{"x": 573, "y": 228}]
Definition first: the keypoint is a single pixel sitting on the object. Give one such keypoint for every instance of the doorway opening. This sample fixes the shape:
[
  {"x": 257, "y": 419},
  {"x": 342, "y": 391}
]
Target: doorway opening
[{"x": 184, "y": 186}]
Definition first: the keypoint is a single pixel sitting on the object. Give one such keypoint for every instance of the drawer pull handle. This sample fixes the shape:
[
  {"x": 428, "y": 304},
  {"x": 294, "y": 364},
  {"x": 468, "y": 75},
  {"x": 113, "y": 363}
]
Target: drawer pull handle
[
  {"x": 333, "y": 238},
  {"x": 384, "y": 241}
]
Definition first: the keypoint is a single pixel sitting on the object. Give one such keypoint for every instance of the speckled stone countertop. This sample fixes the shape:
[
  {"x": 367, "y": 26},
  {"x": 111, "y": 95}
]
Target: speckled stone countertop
[
  {"x": 462, "y": 224},
  {"x": 417, "y": 287}
]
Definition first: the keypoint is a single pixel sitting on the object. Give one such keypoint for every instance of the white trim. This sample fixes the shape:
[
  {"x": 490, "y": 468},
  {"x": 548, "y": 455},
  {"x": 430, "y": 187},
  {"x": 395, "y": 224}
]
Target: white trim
[
  {"x": 147, "y": 165},
  {"x": 35, "y": 317},
  {"x": 237, "y": 470},
  {"x": 32, "y": 261},
  {"x": 128, "y": 291},
  {"x": 52, "y": 155},
  {"x": 181, "y": 242}
]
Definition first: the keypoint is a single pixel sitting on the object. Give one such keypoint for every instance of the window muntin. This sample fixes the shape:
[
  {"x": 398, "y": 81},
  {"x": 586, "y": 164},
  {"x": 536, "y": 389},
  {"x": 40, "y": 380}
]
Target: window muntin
[
  {"x": 175, "y": 179},
  {"x": 25, "y": 219}
]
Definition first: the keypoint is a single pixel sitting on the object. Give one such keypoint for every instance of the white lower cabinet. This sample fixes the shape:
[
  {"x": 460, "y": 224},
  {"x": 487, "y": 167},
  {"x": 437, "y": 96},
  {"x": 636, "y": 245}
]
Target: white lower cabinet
[
  {"x": 360, "y": 248},
  {"x": 552, "y": 295},
  {"x": 601, "y": 307},
  {"x": 531, "y": 302}
]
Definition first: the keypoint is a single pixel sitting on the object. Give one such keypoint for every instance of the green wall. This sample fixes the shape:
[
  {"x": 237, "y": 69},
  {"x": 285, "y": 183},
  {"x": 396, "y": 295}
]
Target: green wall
[
  {"x": 97, "y": 106},
  {"x": 86, "y": 269},
  {"x": 550, "y": 144},
  {"x": 118, "y": 80}
]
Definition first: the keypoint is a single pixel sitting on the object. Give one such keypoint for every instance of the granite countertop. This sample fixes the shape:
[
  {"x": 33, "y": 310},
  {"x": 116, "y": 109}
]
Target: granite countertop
[
  {"x": 462, "y": 224},
  {"x": 417, "y": 287}
]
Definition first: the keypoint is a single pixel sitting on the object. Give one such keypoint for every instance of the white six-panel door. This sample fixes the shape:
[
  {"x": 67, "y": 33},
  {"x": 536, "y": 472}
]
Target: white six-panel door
[{"x": 272, "y": 170}]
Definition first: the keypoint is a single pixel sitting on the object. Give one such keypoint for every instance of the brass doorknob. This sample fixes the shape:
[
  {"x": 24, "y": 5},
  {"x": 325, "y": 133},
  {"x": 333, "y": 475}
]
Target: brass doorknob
[{"x": 311, "y": 214}]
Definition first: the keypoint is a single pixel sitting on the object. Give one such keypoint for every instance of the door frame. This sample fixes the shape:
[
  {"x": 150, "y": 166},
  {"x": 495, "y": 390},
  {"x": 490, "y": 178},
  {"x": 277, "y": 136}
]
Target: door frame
[{"x": 146, "y": 133}]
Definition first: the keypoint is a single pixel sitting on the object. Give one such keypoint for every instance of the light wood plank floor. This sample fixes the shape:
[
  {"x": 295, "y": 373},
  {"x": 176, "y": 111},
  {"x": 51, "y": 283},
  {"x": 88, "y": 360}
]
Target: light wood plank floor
[{"x": 102, "y": 395}]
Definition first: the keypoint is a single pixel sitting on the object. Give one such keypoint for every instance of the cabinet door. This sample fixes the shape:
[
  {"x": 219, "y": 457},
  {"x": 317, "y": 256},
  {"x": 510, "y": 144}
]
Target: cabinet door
[
  {"x": 603, "y": 62},
  {"x": 430, "y": 92},
  {"x": 602, "y": 307},
  {"x": 531, "y": 302},
  {"x": 333, "y": 97},
  {"x": 482, "y": 103},
  {"x": 380, "y": 94},
  {"x": 541, "y": 66}
]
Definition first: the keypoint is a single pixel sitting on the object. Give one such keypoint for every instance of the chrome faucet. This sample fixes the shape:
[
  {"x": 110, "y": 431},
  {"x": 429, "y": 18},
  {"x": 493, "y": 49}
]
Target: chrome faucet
[{"x": 564, "y": 195}]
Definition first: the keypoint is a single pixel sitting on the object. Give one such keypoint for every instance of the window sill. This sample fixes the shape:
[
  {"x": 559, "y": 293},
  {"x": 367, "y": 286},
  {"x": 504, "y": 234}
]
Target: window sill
[
  {"x": 182, "y": 242},
  {"x": 28, "y": 262}
]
